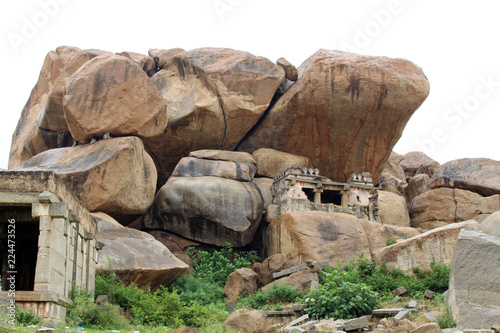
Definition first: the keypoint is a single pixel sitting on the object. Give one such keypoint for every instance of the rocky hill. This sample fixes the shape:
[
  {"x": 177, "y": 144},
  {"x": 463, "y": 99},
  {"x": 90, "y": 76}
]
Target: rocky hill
[{"x": 184, "y": 144}]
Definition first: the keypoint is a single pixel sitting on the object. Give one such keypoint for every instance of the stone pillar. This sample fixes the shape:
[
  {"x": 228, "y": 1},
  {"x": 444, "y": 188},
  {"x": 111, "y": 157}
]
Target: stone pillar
[
  {"x": 59, "y": 214},
  {"x": 313, "y": 273},
  {"x": 40, "y": 209}
]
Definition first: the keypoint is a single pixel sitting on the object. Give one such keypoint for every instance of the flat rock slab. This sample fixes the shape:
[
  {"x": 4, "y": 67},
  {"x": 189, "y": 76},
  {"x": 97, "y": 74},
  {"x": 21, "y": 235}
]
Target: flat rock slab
[
  {"x": 355, "y": 324},
  {"x": 198, "y": 167},
  {"x": 386, "y": 312},
  {"x": 290, "y": 270},
  {"x": 279, "y": 313},
  {"x": 480, "y": 175}
]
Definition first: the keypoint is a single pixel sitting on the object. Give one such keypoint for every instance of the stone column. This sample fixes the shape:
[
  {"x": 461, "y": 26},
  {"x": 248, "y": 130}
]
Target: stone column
[{"x": 40, "y": 209}]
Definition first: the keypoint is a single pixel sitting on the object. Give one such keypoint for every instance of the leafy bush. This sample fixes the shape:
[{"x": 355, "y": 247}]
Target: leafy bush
[
  {"x": 391, "y": 240},
  {"x": 435, "y": 279},
  {"x": 338, "y": 297},
  {"x": 27, "y": 318},
  {"x": 192, "y": 289},
  {"x": 384, "y": 280},
  {"x": 118, "y": 293},
  {"x": 216, "y": 265},
  {"x": 196, "y": 315},
  {"x": 158, "y": 308},
  {"x": 446, "y": 320},
  {"x": 84, "y": 312},
  {"x": 276, "y": 294}
]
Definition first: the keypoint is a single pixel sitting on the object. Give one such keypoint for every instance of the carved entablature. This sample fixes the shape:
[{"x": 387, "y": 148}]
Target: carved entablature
[{"x": 303, "y": 189}]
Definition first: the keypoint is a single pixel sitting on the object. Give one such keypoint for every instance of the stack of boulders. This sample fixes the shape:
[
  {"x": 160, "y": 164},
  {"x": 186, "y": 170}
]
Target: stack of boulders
[{"x": 184, "y": 145}]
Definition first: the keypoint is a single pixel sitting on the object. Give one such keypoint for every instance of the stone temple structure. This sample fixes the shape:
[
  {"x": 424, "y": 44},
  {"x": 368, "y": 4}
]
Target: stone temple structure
[
  {"x": 54, "y": 247},
  {"x": 303, "y": 189}
]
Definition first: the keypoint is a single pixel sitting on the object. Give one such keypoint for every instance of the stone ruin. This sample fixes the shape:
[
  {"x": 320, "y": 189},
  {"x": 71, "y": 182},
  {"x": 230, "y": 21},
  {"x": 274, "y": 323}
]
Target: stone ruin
[
  {"x": 55, "y": 244},
  {"x": 303, "y": 189}
]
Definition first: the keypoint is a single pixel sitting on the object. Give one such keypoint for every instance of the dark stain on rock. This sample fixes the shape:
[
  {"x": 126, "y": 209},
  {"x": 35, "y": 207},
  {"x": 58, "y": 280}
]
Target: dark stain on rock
[
  {"x": 353, "y": 88},
  {"x": 381, "y": 97}
]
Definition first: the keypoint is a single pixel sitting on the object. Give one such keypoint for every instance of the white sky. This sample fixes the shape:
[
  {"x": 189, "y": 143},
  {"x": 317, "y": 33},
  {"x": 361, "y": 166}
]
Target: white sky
[{"x": 455, "y": 42}]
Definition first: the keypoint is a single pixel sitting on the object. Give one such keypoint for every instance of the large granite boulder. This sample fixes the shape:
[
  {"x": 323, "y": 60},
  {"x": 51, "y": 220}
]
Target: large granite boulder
[
  {"x": 145, "y": 62},
  {"x": 28, "y": 139},
  {"x": 248, "y": 321},
  {"x": 211, "y": 210},
  {"x": 300, "y": 281},
  {"x": 240, "y": 283},
  {"x": 214, "y": 97},
  {"x": 197, "y": 167},
  {"x": 442, "y": 206},
  {"x": 420, "y": 251},
  {"x": 417, "y": 185},
  {"x": 273, "y": 264},
  {"x": 265, "y": 185},
  {"x": 224, "y": 155},
  {"x": 271, "y": 162},
  {"x": 474, "y": 293},
  {"x": 491, "y": 225},
  {"x": 393, "y": 209},
  {"x": 111, "y": 93},
  {"x": 175, "y": 243},
  {"x": 345, "y": 112},
  {"x": 412, "y": 161},
  {"x": 114, "y": 176},
  {"x": 327, "y": 237},
  {"x": 480, "y": 175},
  {"x": 393, "y": 178},
  {"x": 393, "y": 168},
  {"x": 53, "y": 118},
  {"x": 135, "y": 256}
]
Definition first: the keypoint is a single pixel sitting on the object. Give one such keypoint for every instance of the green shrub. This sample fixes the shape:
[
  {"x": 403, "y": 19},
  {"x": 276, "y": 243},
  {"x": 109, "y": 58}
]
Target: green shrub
[
  {"x": 435, "y": 279},
  {"x": 159, "y": 308},
  {"x": 446, "y": 320},
  {"x": 192, "y": 289},
  {"x": 276, "y": 294},
  {"x": 338, "y": 297},
  {"x": 27, "y": 318},
  {"x": 384, "y": 280},
  {"x": 216, "y": 265},
  {"x": 391, "y": 240},
  {"x": 196, "y": 315},
  {"x": 84, "y": 312},
  {"x": 125, "y": 296}
]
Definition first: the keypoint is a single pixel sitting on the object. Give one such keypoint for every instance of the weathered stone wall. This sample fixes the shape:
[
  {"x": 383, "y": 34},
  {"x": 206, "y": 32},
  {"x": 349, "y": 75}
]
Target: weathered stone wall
[{"x": 67, "y": 248}]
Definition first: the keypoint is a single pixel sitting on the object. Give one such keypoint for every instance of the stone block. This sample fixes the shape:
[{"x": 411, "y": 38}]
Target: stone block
[
  {"x": 290, "y": 270},
  {"x": 47, "y": 197},
  {"x": 386, "y": 312},
  {"x": 298, "y": 321},
  {"x": 101, "y": 299},
  {"x": 58, "y": 243},
  {"x": 429, "y": 294},
  {"x": 399, "y": 316},
  {"x": 272, "y": 212},
  {"x": 58, "y": 210},
  {"x": 412, "y": 305},
  {"x": 58, "y": 224},
  {"x": 427, "y": 328},
  {"x": 400, "y": 291},
  {"x": 39, "y": 209},
  {"x": 279, "y": 313},
  {"x": 355, "y": 324},
  {"x": 58, "y": 262}
]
